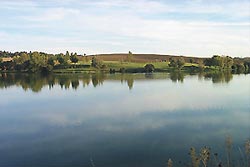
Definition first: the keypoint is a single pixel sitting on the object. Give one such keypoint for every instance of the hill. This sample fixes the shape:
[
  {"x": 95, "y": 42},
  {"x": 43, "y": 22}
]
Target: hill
[{"x": 143, "y": 58}]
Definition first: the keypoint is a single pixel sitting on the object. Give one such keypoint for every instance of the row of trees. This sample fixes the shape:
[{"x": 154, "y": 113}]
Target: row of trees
[
  {"x": 38, "y": 61},
  {"x": 221, "y": 62},
  {"x": 228, "y": 63},
  {"x": 224, "y": 62},
  {"x": 179, "y": 63}
]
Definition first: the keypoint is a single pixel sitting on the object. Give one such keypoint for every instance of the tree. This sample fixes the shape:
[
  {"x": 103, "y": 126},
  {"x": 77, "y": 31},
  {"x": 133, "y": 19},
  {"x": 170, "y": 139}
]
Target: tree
[
  {"x": 38, "y": 62},
  {"x": 130, "y": 56},
  {"x": 228, "y": 62},
  {"x": 216, "y": 60},
  {"x": 180, "y": 63},
  {"x": 201, "y": 65},
  {"x": 21, "y": 58},
  {"x": 95, "y": 62},
  {"x": 172, "y": 63},
  {"x": 61, "y": 59},
  {"x": 149, "y": 68},
  {"x": 67, "y": 54},
  {"x": 74, "y": 58},
  {"x": 51, "y": 61},
  {"x": 66, "y": 57},
  {"x": 208, "y": 62},
  {"x": 24, "y": 57},
  {"x": 223, "y": 62}
]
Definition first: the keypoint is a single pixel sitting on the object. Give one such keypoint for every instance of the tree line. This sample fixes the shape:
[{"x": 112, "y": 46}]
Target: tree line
[
  {"x": 238, "y": 65},
  {"x": 229, "y": 63},
  {"x": 39, "y": 61},
  {"x": 36, "y": 61}
]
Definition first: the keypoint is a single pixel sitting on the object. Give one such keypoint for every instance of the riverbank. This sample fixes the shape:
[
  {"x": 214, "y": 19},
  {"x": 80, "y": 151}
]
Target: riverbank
[{"x": 118, "y": 63}]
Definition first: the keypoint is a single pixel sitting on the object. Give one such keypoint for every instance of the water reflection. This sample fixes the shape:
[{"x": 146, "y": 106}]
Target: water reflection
[
  {"x": 36, "y": 82},
  {"x": 160, "y": 118}
]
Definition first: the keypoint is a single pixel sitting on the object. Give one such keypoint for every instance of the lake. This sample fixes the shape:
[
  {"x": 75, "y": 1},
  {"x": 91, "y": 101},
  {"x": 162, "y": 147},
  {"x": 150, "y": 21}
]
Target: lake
[{"x": 122, "y": 120}]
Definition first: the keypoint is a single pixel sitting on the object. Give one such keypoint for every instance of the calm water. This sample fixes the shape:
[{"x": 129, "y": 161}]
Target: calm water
[{"x": 133, "y": 120}]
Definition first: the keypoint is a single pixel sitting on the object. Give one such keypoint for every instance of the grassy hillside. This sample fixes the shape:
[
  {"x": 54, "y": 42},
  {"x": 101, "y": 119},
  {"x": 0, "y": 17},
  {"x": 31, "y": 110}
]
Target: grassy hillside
[{"x": 144, "y": 58}]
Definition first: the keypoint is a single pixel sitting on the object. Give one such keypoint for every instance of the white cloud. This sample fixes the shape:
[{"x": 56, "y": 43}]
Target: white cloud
[
  {"x": 110, "y": 26},
  {"x": 53, "y": 14}
]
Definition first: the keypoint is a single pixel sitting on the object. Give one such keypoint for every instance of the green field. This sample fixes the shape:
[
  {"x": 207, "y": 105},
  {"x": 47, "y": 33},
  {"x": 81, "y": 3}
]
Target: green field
[{"x": 117, "y": 65}]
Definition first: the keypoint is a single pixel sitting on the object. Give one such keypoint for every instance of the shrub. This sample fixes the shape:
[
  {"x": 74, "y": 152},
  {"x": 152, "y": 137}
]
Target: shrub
[{"x": 149, "y": 68}]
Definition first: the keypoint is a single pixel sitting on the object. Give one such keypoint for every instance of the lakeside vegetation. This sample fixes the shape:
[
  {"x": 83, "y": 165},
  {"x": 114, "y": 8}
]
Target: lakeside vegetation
[
  {"x": 206, "y": 158},
  {"x": 33, "y": 62}
]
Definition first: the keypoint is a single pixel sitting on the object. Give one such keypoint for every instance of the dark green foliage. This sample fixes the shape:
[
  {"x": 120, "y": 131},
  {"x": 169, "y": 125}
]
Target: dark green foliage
[
  {"x": 208, "y": 62},
  {"x": 6, "y": 54},
  {"x": 37, "y": 62},
  {"x": 228, "y": 62},
  {"x": 172, "y": 63},
  {"x": 149, "y": 68},
  {"x": 214, "y": 61},
  {"x": 22, "y": 58},
  {"x": 177, "y": 64},
  {"x": 222, "y": 62},
  {"x": 180, "y": 63},
  {"x": 238, "y": 68},
  {"x": 51, "y": 61},
  {"x": 74, "y": 58},
  {"x": 32, "y": 62},
  {"x": 62, "y": 59},
  {"x": 111, "y": 71}
]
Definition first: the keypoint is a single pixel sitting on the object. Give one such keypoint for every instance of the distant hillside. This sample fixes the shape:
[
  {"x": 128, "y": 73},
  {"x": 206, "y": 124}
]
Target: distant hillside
[{"x": 144, "y": 57}]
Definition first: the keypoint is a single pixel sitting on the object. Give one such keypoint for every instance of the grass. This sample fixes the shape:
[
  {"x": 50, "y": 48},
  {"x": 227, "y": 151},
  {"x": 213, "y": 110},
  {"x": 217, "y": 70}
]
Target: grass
[{"x": 129, "y": 66}]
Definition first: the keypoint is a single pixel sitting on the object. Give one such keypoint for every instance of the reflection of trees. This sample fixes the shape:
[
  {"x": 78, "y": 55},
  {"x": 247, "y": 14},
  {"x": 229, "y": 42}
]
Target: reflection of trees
[
  {"x": 127, "y": 78},
  {"x": 217, "y": 77},
  {"x": 64, "y": 82},
  {"x": 149, "y": 75},
  {"x": 75, "y": 84},
  {"x": 36, "y": 82},
  {"x": 130, "y": 81},
  {"x": 177, "y": 76},
  {"x": 220, "y": 77},
  {"x": 98, "y": 79}
]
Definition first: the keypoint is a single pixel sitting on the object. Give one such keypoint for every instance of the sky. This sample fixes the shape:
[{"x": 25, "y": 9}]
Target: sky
[{"x": 177, "y": 27}]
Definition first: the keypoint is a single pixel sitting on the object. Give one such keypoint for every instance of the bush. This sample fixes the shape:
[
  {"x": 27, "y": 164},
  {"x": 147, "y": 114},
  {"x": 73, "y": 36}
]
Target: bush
[{"x": 149, "y": 68}]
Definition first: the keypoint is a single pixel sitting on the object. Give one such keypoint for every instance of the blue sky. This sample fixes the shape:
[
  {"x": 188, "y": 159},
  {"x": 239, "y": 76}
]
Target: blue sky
[{"x": 179, "y": 27}]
